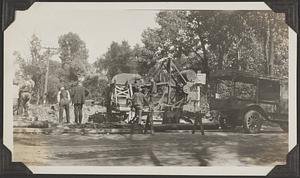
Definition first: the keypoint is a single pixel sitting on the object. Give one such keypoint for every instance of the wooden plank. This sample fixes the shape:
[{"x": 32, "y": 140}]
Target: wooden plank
[
  {"x": 179, "y": 73},
  {"x": 158, "y": 71}
]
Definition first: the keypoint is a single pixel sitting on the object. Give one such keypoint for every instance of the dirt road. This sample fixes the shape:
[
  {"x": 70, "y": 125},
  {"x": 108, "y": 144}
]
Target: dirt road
[{"x": 161, "y": 149}]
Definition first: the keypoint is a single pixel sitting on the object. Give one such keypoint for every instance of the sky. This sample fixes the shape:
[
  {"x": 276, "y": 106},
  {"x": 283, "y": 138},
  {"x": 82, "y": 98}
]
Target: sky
[
  {"x": 98, "y": 24},
  {"x": 96, "y": 27}
]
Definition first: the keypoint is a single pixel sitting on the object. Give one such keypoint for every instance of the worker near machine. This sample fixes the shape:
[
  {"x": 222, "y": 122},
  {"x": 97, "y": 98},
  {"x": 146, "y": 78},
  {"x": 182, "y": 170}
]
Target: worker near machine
[
  {"x": 201, "y": 103},
  {"x": 64, "y": 99},
  {"x": 135, "y": 86},
  {"x": 78, "y": 98},
  {"x": 25, "y": 93},
  {"x": 138, "y": 102}
]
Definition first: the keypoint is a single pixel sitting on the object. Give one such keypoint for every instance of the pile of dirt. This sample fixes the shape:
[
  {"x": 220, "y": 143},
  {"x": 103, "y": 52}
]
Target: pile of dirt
[
  {"x": 50, "y": 113},
  {"x": 44, "y": 113},
  {"x": 39, "y": 116},
  {"x": 24, "y": 123},
  {"x": 108, "y": 125},
  {"x": 43, "y": 116}
]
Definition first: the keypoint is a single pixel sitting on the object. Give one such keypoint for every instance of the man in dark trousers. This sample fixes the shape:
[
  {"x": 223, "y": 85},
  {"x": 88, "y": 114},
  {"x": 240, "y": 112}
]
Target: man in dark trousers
[
  {"x": 78, "y": 99},
  {"x": 63, "y": 99}
]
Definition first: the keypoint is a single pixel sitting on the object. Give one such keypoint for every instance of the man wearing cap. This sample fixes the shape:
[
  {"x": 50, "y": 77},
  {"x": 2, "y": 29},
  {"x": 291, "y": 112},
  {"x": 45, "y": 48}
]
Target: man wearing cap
[
  {"x": 63, "y": 99},
  {"x": 138, "y": 101}
]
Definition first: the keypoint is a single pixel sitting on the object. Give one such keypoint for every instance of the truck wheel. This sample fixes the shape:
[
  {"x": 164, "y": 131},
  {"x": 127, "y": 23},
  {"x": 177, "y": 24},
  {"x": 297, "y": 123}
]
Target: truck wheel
[
  {"x": 284, "y": 127},
  {"x": 252, "y": 121}
]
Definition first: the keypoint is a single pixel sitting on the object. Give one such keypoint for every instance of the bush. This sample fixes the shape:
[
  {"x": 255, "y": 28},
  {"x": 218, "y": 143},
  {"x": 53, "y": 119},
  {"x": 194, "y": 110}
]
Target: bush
[
  {"x": 96, "y": 85},
  {"x": 53, "y": 87}
]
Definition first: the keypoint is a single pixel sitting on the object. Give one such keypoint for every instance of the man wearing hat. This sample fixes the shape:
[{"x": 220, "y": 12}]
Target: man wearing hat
[
  {"x": 138, "y": 101},
  {"x": 63, "y": 99},
  {"x": 78, "y": 98}
]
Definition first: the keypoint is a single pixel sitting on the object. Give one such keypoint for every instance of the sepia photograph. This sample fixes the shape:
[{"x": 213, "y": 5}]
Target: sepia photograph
[{"x": 139, "y": 86}]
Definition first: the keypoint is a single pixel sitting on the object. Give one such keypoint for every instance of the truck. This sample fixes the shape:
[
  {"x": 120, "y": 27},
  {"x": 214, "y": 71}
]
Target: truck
[{"x": 247, "y": 99}]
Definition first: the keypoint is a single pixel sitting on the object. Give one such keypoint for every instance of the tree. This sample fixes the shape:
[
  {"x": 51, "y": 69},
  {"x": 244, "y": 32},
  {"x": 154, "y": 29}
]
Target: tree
[
  {"x": 35, "y": 49},
  {"x": 55, "y": 80},
  {"x": 36, "y": 67},
  {"x": 271, "y": 32},
  {"x": 53, "y": 88},
  {"x": 144, "y": 59},
  {"x": 210, "y": 40},
  {"x": 118, "y": 59},
  {"x": 18, "y": 66},
  {"x": 73, "y": 55},
  {"x": 96, "y": 84},
  {"x": 182, "y": 37}
]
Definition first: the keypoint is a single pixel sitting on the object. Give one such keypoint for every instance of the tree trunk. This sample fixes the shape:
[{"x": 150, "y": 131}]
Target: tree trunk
[
  {"x": 38, "y": 96},
  {"x": 271, "y": 54},
  {"x": 205, "y": 60},
  {"x": 205, "y": 65},
  {"x": 220, "y": 58},
  {"x": 267, "y": 43},
  {"x": 240, "y": 64}
]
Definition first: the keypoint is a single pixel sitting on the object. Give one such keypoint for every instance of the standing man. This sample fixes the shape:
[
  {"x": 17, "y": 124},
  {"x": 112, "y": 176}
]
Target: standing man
[
  {"x": 63, "y": 99},
  {"x": 138, "y": 101},
  {"x": 78, "y": 99},
  {"x": 200, "y": 104},
  {"x": 25, "y": 95}
]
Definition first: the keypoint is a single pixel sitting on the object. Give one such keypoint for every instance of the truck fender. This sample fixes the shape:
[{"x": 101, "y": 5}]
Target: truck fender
[{"x": 257, "y": 108}]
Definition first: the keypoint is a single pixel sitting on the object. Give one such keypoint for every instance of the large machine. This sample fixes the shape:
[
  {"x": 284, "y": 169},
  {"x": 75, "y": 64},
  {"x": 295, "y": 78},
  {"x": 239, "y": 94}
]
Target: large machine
[
  {"x": 175, "y": 101},
  {"x": 180, "y": 96}
]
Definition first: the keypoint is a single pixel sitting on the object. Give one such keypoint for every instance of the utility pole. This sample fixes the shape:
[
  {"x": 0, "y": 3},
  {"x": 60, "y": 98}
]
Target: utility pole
[
  {"x": 46, "y": 82},
  {"x": 47, "y": 70}
]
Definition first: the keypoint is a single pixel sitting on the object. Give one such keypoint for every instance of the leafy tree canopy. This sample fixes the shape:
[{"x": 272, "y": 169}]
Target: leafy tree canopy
[
  {"x": 73, "y": 55},
  {"x": 210, "y": 40},
  {"x": 118, "y": 59}
]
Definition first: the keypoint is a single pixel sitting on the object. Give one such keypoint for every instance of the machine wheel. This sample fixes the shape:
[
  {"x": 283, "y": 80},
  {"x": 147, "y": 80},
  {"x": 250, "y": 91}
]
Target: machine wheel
[
  {"x": 225, "y": 124},
  {"x": 252, "y": 121},
  {"x": 284, "y": 127}
]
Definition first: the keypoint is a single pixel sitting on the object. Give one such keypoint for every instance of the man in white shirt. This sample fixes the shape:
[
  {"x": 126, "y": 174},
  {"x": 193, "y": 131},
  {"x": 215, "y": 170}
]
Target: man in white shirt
[{"x": 63, "y": 99}]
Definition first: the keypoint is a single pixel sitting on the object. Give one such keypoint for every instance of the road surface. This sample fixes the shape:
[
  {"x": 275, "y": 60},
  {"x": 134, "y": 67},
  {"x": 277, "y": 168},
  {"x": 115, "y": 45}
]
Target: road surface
[{"x": 215, "y": 148}]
